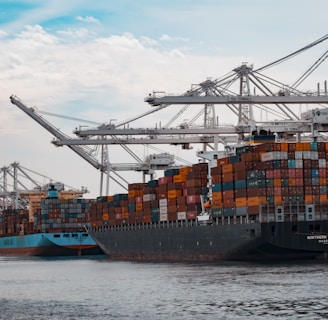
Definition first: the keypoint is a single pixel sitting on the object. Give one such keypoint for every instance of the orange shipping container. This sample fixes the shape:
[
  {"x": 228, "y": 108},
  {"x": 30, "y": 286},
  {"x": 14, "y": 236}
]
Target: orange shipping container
[
  {"x": 174, "y": 193},
  {"x": 253, "y": 201},
  {"x": 227, "y": 168},
  {"x": 308, "y": 198},
  {"x": 306, "y": 146},
  {"x": 277, "y": 199},
  {"x": 105, "y": 216},
  {"x": 299, "y": 146},
  {"x": 284, "y": 146},
  {"x": 185, "y": 170},
  {"x": 276, "y": 182},
  {"x": 241, "y": 202},
  {"x": 139, "y": 207},
  {"x": 217, "y": 195},
  {"x": 323, "y": 198},
  {"x": 180, "y": 178},
  {"x": 292, "y": 182}
]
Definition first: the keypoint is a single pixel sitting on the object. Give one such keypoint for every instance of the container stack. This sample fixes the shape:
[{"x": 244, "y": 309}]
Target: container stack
[
  {"x": 270, "y": 175},
  {"x": 135, "y": 199},
  {"x": 60, "y": 215},
  {"x": 15, "y": 222},
  {"x": 175, "y": 196},
  {"x": 150, "y": 202}
]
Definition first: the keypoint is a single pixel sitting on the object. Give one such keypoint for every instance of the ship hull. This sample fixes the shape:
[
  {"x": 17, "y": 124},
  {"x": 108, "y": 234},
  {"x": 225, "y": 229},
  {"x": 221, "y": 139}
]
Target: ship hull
[
  {"x": 49, "y": 244},
  {"x": 255, "y": 241}
]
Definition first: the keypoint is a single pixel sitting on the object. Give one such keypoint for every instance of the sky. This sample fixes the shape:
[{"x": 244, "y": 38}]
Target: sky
[{"x": 98, "y": 60}]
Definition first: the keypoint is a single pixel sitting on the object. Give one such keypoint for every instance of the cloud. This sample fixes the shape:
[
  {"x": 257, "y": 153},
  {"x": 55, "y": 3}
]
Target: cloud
[
  {"x": 88, "y": 19},
  {"x": 3, "y": 33},
  {"x": 75, "y": 34},
  {"x": 168, "y": 38}
]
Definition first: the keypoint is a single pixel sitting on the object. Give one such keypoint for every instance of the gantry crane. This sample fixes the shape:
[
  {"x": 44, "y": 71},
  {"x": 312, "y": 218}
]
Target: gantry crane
[
  {"x": 15, "y": 193},
  {"x": 242, "y": 92},
  {"x": 147, "y": 166}
]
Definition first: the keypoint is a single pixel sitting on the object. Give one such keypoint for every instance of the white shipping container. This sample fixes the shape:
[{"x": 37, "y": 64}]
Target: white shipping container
[
  {"x": 298, "y": 155},
  {"x": 162, "y": 210},
  {"x": 322, "y": 163},
  {"x": 314, "y": 155},
  {"x": 163, "y": 217},
  {"x": 267, "y": 156},
  {"x": 149, "y": 197},
  {"x": 182, "y": 215},
  {"x": 307, "y": 155},
  {"x": 162, "y": 202},
  {"x": 298, "y": 163},
  {"x": 284, "y": 155}
]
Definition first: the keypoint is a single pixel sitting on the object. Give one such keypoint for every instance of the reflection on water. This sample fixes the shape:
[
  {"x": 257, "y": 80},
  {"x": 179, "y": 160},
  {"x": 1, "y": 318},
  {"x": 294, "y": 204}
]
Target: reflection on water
[{"x": 85, "y": 288}]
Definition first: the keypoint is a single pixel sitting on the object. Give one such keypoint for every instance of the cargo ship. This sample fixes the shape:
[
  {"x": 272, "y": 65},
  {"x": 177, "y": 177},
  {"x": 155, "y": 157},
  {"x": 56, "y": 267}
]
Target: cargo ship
[
  {"x": 55, "y": 228},
  {"x": 266, "y": 201}
]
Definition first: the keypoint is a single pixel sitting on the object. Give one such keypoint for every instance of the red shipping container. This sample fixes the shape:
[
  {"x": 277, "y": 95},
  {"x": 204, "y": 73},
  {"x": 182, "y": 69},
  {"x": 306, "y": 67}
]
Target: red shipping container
[
  {"x": 192, "y": 199},
  {"x": 228, "y": 194},
  {"x": 299, "y": 173},
  {"x": 172, "y": 201},
  {"x": 165, "y": 180},
  {"x": 227, "y": 177},
  {"x": 240, "y": 175},
  {"x": 269, "y": 174},
  {"x": 277, "y": 173},
  {"x": 191, "y": 215},
  {"x": 322, "y": 172},
  {"x": 222, "y": 161},
  {"x": 216, "y": 171},
  {"x": 277, "y": 191}
]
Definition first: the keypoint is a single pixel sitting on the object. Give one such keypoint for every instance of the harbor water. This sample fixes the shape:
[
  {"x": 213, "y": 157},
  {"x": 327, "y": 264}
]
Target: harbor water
[{"x": 97, "y": 288}]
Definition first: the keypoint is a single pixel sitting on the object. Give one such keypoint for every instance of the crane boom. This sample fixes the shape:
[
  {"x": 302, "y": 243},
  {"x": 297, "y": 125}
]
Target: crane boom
[
  {"x": 55, "y": 132},
  {"x": 155, "y": 101}
]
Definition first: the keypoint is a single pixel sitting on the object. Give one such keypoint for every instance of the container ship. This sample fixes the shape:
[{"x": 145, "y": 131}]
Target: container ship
[
  {"x": 52, "y": 226},
  {"x": 266, "y": 201}
]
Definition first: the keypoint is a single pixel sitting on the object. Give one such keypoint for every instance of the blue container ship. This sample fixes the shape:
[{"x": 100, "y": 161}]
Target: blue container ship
[
  {"x": 57, "y": 228},
  {"x": 49, "y": 244}
]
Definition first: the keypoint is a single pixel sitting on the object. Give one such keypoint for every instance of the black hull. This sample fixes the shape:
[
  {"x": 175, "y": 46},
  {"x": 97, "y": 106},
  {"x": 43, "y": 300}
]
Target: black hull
[{"x": 254, "y": 241}]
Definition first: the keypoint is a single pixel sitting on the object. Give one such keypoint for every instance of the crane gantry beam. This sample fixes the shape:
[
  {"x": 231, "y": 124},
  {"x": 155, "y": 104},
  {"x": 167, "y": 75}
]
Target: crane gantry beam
[{"x": 191, "y": 99}]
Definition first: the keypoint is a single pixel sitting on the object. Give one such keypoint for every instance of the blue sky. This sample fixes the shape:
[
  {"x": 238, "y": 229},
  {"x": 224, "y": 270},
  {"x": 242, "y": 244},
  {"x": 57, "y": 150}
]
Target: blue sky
[{"x": 98, "y": 60}]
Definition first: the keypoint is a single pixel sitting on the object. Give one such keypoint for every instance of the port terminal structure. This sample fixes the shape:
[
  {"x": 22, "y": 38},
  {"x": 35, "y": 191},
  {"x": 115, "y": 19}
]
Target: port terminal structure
[
  {"x": 243, "y": 92},
  {"x": 16, "y": 193}
]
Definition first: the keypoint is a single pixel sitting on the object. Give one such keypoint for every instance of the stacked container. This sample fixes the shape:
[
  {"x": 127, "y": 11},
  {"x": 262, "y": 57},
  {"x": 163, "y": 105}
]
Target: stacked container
[{"x": 60, "y": 215}]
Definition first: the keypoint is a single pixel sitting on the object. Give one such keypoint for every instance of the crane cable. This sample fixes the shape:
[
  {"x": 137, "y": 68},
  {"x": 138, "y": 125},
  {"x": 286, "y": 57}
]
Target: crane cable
[{"x": 312, "y": 44}]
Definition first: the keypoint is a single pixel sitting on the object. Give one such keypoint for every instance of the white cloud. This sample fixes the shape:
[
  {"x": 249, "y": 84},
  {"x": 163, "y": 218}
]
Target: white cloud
[
  {"x": 88, "y": 19},
  {"x": 3, "y": 33},
  {"x": 168, "y": 38},
  {"x": 75, "y": 34}
]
